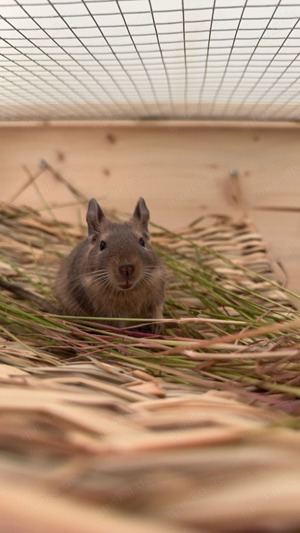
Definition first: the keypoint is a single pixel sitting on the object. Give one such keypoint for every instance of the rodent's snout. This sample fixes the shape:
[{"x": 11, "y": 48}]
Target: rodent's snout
[{"x": 126, "y": 270}]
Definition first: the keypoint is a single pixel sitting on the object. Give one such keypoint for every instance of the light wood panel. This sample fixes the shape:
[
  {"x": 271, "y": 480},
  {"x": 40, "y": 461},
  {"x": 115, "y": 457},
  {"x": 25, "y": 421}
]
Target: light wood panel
[{"x": 182, "y": 170}]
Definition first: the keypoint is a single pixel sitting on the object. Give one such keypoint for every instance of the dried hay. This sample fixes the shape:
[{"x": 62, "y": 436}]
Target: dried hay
[{"x": 105, "y": 430}]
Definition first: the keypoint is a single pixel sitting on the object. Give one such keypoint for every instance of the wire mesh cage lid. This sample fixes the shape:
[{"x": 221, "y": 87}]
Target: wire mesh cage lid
[{"x": 135, "y": 59}]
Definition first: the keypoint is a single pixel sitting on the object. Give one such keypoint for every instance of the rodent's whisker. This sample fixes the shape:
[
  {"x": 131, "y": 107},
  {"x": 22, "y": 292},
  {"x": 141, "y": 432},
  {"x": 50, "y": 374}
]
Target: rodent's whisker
[
  {"x": 148, "y": 275},
  {"x": 147, "y": 282},
  {"x": 150, "y": 269},
  {"x": 99, "y": 271},
  {"x": 101, "y": 279},
  {"x": 105, "y": 283},
  {"x": 98, "y": 275}
]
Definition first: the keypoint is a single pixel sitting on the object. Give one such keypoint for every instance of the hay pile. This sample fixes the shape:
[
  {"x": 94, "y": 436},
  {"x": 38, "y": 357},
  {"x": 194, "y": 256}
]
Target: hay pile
[{"x": 106, "y": 430}]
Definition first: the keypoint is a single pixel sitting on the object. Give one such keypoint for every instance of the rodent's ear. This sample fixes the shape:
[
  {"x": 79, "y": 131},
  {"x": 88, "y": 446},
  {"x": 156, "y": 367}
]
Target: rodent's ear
[
  {"x": 94, "y": 217},
  {"x": 141, "y": 214}
]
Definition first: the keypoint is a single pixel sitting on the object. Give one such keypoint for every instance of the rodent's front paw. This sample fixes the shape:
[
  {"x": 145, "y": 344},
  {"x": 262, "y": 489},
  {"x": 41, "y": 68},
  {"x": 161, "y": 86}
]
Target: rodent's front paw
[{"x": 155, "y": 329}]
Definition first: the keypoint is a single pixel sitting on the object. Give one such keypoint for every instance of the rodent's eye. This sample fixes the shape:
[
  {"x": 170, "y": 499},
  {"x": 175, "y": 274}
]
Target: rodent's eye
[
  {"x": 102, "y": 245},
  {"x": 141, "y": 241}
]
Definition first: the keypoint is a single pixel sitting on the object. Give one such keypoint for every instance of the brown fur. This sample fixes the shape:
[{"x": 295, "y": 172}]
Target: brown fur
[{"x": 89, "y": 281}]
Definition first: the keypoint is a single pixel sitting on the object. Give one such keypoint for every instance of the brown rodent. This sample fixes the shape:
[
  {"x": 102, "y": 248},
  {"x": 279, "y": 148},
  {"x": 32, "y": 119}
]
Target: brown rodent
[{"x": 114, "y": 271}]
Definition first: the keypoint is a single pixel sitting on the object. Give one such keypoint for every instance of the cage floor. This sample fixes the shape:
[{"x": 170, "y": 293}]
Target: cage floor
[{"x": 113, "y": 432}]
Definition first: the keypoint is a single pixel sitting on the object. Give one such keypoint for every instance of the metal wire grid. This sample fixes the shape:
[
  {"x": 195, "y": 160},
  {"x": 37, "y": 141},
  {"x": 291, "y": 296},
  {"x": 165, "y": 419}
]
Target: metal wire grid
[{"x": 115, "y": 59}]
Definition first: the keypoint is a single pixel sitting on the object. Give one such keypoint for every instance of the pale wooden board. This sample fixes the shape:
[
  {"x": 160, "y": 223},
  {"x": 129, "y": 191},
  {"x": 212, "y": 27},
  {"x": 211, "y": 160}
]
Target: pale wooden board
[{"x": 183, "y": 171}]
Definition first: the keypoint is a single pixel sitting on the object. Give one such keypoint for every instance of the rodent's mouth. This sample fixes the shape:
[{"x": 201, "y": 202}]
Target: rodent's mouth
[{"x": 126, "y": 286}]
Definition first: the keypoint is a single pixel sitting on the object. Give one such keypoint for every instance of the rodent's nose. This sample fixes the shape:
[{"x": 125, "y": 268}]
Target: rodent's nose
[{"x": 126, "y": 270}]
